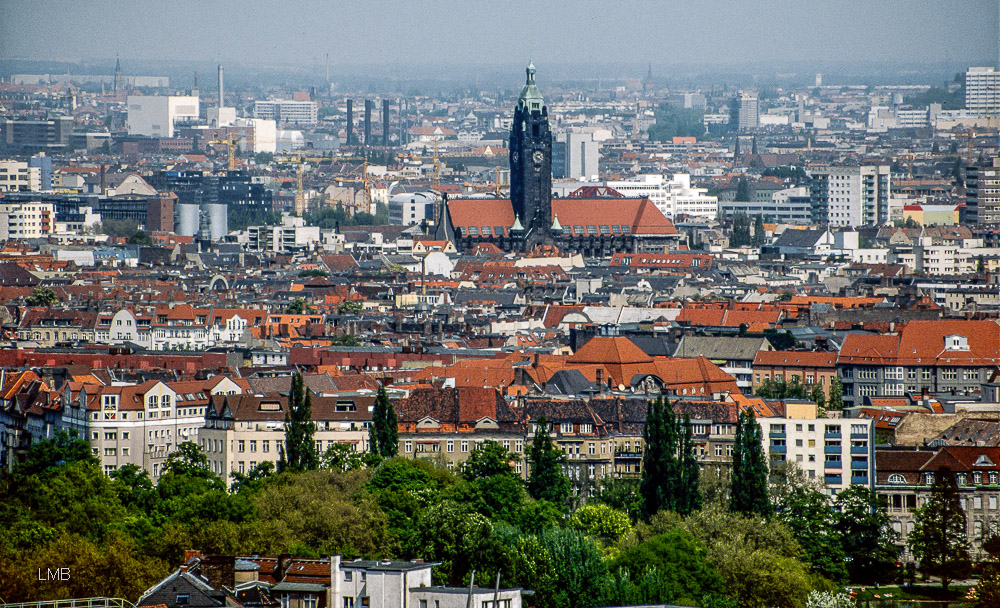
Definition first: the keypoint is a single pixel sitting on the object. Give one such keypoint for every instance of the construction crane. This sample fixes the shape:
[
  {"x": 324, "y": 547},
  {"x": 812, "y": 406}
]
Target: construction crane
[
  {"x": 498, "y": 170},
  {"x": 231, "y": 145},
  {"x": 436, "y": 180}
]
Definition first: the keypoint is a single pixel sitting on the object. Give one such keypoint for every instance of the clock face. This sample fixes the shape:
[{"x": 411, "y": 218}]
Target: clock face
[{"x": 537, "y": 156}]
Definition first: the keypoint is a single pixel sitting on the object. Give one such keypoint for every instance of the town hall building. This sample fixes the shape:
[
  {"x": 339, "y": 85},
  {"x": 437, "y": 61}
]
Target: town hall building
[{"x": 531, "y": 218}]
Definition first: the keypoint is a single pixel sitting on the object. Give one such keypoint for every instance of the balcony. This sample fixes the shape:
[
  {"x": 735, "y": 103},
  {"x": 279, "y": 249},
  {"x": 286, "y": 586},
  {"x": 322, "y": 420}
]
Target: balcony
[
  {"x": 859, "y": 450},
  {"x": 777, "y": 435},
  {"x": 834, "y": 435},
  {"x": 861, "y": 480},
  {"x": 628, "y": 455},
  {"x": 833, "y": 479},
  {"x": 833, "y": 449},
  {"x": 859, "y": 435},
  {"x": 857, "y": 465},
  {"x": 779, "y": 449}
]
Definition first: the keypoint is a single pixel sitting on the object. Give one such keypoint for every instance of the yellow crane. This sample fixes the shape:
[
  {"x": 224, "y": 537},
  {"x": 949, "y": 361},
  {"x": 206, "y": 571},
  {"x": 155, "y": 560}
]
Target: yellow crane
[
  {"x": 231, "y": 145},
  {"x": 498, "y": 170}
]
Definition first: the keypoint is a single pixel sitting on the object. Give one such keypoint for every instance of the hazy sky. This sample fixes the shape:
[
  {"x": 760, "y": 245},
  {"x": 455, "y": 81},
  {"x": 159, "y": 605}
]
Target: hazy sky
[{"x": 502, "y": 31}]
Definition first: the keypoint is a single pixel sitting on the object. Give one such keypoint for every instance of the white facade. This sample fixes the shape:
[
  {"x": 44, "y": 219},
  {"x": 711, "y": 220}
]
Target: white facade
[
  {"x": 157, "y": 115},
  {"x": 17, "y": 176},
  {"x": 851, "y": 196},
  {"x": 410, "y": 208},
  {"x": 840, "y": 452},
  {"x": 287, "y": 111},
  {"x": 982, "y": 90},
  {"x": 673, "y": 198},
  {"x": 26, "y": 220},
  {"x": 582, "y": 155}
]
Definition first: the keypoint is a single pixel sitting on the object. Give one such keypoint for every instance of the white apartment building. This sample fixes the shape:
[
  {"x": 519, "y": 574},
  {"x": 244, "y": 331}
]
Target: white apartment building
[
  {"x": 287, "y": 111},
  {"x": 26, "y": 220},
  {"x": 982, "y": 90},
  {"x": 291, "y": 235},
  {"x": 244, "y": 430},
  {"x": 838, "y": 451},
  {"x": 18, "y": 176},
  {"x": 672, "y": 197},
  {"x": 158, "y": 115},
  {"x": 939, "y": 260},
  {"x": 142, "y": 424},
  {"x": 850, "y": 196},
  {"x": 165, "y": 330}
]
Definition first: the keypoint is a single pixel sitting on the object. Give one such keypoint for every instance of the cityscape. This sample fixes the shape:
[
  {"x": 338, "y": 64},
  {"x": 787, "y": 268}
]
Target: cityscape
[{"x": 464, "y": 305}]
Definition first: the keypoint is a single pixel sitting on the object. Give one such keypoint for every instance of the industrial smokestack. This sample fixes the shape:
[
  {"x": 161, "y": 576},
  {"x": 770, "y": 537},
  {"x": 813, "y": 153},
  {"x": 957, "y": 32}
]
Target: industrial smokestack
[
  {"x": 368, "y": 122},
  {"x": 350, "y": 121},
  {"x": 222, "y": 90},
  {"x": 385, "y": 123}
]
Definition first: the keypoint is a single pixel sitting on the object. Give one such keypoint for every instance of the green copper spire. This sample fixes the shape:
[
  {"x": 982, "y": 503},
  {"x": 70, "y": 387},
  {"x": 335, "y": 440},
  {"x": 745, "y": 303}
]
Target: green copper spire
[
  {"x": 555, "y": 223},
  {"x": 531, "y": 97},
  {"x": 517, "y": 227}
]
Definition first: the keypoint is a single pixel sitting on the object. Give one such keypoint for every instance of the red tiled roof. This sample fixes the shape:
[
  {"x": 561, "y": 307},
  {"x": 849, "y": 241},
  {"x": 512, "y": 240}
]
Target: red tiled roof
[{"x": 795, "y": 358}]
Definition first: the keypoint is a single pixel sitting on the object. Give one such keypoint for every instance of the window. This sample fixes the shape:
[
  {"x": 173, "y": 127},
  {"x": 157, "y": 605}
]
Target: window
[
  {"x": 465, "y": 446},
  {"x": 266, "y": 446},
  {"x": 586, "y": 428},
  {"x": 240, "y": 446},
  {"x": 253, "y": 445},
  {"x": 408, "y": 446},
  {"x": 451, "y": 446},
  {"x": 310, "y": 601},
  {"x": 896, "y": 478},
  {"x": 566, "y": 427},
  {"x": 348, "y": 601},
  {"x": 182, "y": 599}
]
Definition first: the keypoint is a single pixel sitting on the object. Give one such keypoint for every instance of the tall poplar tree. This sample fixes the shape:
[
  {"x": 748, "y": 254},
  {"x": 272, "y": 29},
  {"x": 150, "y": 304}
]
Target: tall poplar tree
[
  {"x": 939, "y": 534},
  {"x": 546, "y": 478},
  {"x": 383, "y": 434},
  {"x": 299, "y": 451},
  {"x": 669, "y": 468},
  {"x": 748, "y": 483}
]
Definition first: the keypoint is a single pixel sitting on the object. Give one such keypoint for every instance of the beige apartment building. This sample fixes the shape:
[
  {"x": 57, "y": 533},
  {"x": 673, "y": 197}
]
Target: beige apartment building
[{"x": 243, "y": 430}]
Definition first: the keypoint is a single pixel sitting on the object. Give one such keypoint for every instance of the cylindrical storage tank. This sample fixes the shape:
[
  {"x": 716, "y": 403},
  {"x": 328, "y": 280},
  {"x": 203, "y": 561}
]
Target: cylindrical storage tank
[
  {"x": 187, "y": 219},
  {"x": 218, "y": 220}
]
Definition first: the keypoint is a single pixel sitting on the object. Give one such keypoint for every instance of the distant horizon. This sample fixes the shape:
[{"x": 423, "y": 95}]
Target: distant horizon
[{"x": 300, "y": 34}]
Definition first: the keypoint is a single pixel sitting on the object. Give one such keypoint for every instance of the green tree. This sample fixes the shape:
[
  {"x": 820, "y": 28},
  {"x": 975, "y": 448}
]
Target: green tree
[
  {"x": 742, "y": 190},
  {"x": 134, "y": 487},
  {"x": 48, "y": 454},
  {"x": 349, "y": 307},
  {"x": 818, "y": 396},
  {"x": 546, "y": 478},
  {"x": 342, "y": 457},
  {"x": 254, "y": 479},
  {"x": 298, "y": 307},
  {"x": 42, "y": 296},
  {"x": 679, "y": 562},
  {"x": 619, "y": 493},
  {"x": 299, "y": 450},
  {"x": 836, "y": 394},
  {"x": 758, "y": 231},
  {"x": 805, "y": 508},
  {"x": 938, "y": 539},
  {"x": 740, "y": 236},
  {"x": 383, "y": 434},
  {"x": 669, "y": 469},
  {"x": 489, "y": 458},
  {"x": 748, "y": 482},
  {"x": 867, "y": 538},
  {"x": 601, "y": 522},
  {"x": 140, "y": 238}
]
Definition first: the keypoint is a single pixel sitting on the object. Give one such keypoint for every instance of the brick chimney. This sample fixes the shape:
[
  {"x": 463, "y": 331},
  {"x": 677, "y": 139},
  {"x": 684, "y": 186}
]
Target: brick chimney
[{"x": 220, "y": 570}]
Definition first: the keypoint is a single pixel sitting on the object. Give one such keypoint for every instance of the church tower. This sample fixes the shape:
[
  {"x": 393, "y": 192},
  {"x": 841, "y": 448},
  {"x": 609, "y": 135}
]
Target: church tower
[{"x": 531, "y": 163}]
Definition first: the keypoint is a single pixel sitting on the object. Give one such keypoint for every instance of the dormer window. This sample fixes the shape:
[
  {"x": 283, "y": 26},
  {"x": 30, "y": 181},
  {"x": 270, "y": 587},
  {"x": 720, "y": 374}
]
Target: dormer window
[{"x": 956, "y": 342}]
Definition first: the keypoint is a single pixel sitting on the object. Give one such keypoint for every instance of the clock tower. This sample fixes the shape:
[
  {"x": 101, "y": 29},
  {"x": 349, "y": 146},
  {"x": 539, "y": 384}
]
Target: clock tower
[{"x": 531, "y": 163}]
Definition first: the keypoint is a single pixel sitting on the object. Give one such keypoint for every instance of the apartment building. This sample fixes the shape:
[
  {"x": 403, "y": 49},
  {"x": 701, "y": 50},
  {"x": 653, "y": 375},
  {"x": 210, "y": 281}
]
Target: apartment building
[
  {"x": 243, "y": 430},
  {"x": 982, "y": 91},
  {"x": 19, "y": 176},
  {"x": 946, "y": 356},
  {"x": 905, "y": 477},
  {"x": 26, "y": 220},
  {"x": 838, "y": 451},
  {"x": 850, "y": 196},
  {"x": 142, "y": 424},
  {"x": 982, "y": 194},
  {"x": 287, "y": 111},
  {"x": 673, "y": 197},
  {"x": 804, "y": 367}
]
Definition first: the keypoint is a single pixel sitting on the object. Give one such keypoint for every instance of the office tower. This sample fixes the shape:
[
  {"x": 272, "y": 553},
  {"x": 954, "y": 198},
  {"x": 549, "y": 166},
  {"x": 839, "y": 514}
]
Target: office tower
[
  {"x": 385, "y": 122},
  {"x": 349, "y": 134},
  {"x": 982, "y": 90},
  {"x": 368, "y": 122}
]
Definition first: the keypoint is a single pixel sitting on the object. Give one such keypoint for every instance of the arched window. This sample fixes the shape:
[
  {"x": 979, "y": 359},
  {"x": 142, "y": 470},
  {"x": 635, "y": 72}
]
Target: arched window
[{"x": 896, "y": 478}]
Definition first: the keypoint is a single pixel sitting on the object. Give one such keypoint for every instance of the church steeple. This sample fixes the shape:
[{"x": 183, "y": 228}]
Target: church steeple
[{"x": 531, "y": 164}]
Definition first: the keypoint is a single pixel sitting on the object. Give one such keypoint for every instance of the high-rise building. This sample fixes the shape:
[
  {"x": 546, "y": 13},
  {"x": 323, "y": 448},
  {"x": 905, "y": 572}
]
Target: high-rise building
[
  {"x": 349, "y": 131},
  {"x": 19, "y": 176},
  {"x": 850, "y": 196},
  {"x": 287, "y": 111},
  {"x": 982, "y": 90},
  {"x": 34, "y": 135},
  {"x": 744, "y": 113},
  {"x": 385, "y": 122},
  {"x": 159, "y": 115},
  {"x": 982, "y": 195},
  {"x": 575, "y": 155},
  {"x": 368, "y": 122}
]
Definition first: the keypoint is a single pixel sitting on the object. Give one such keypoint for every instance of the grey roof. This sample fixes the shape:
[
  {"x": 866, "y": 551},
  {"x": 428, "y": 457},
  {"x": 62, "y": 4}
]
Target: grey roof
[
  {"x": 397, "y": 566},
  {"x": 286, "y": 586},
  {"x": 568, "y": 382},
  {"x": 799, "y": 238},
  {"x": 653, "y": 346},
  {"x": 721, "y": 348}
]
